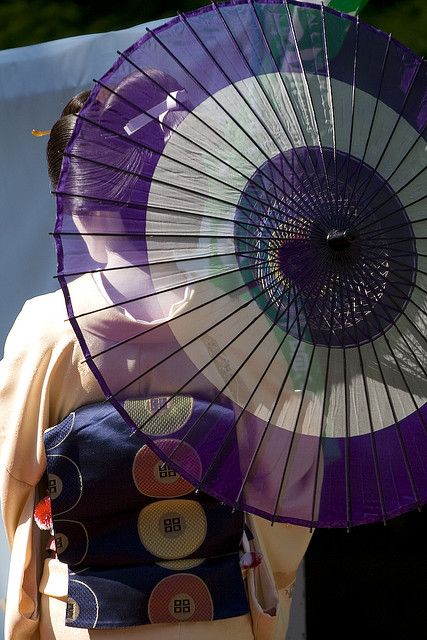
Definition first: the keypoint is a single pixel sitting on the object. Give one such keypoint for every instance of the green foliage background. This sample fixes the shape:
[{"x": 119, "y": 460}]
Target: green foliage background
[{"x": 24, "y": 22}]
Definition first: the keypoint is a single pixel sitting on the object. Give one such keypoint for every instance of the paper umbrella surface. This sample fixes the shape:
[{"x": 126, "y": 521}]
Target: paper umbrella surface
[{"x": 242, "y": 232}]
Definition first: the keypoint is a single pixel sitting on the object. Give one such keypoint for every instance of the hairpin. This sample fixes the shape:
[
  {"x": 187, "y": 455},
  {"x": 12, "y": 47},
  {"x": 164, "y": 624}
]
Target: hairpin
[{"x": 39, "y": 134}]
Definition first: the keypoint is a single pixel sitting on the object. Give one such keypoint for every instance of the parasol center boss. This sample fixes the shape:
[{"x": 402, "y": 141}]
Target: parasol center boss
[{"x": 325, "y": 247}]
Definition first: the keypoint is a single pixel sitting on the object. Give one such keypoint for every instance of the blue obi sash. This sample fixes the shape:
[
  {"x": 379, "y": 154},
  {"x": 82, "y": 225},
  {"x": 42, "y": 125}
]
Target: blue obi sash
[{"x": 142, "y": 547}]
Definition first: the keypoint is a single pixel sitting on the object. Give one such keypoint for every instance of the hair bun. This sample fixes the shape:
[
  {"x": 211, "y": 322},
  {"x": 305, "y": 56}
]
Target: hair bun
[
  {"x": 60, "y": 135},
  {"x": 75, "y": 104}
]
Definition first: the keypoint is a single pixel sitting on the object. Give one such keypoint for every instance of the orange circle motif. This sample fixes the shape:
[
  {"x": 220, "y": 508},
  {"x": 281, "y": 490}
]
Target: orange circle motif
[
  {"x": 156, "y": 478},
  {"x": 181, "y": 597}
]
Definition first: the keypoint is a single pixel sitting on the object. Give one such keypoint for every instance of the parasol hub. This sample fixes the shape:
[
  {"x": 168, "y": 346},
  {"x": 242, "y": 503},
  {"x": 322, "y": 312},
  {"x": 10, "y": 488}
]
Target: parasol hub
[{"x": 339, "y": 240}]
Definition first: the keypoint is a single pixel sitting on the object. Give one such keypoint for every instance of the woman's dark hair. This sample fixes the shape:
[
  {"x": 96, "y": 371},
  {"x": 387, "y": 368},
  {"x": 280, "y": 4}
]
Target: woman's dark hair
[
  {"x": 61, "y": 133},
  {"x": 109, "y": 163}
]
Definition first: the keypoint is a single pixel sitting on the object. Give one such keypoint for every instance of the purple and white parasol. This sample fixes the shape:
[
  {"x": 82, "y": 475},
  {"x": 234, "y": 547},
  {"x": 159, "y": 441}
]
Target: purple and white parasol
[{"x": 242, "y": 221}]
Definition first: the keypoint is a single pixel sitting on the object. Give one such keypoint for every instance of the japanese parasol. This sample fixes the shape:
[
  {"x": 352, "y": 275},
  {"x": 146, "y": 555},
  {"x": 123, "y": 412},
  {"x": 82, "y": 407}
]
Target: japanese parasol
[{"x": 241, "y": 220}]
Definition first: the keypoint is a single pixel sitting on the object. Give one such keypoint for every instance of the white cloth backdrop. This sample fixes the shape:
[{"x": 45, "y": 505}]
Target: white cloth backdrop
[{"x": 35, "y": 84}]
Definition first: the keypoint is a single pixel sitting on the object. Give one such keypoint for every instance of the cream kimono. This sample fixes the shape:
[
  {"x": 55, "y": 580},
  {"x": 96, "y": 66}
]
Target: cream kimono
[{"x": 42, "y": 379}]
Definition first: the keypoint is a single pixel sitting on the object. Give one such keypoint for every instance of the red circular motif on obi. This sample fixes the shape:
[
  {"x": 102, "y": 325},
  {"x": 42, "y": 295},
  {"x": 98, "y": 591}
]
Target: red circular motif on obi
[
  {"x": 155, "y": 478},
  {"x": 180, "y": 597}
]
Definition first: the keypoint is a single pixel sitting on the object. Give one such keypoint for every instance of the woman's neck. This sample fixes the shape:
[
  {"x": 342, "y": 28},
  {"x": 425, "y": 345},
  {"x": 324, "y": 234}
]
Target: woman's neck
[{"x": 123, "y": 281}]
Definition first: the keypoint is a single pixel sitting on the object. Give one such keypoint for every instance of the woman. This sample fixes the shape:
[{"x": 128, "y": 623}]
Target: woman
[{"x": 42, "y": 382}]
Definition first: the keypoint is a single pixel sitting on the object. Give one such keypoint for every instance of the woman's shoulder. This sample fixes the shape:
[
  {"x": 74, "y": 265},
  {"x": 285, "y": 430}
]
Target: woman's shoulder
[
  {"x": 39, "y": 305},
  {"x": 42, "y": 319}
]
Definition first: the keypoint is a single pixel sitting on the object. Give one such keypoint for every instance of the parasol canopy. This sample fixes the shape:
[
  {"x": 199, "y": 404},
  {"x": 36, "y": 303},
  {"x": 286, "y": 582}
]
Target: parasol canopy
[{"x": 242, "y": 223}]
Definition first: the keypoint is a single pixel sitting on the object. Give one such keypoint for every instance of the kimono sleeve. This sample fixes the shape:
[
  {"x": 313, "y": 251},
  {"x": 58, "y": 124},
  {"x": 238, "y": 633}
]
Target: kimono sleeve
[
  {"x": 37, "y": 361},
  {"x": 271, "y": 584}
]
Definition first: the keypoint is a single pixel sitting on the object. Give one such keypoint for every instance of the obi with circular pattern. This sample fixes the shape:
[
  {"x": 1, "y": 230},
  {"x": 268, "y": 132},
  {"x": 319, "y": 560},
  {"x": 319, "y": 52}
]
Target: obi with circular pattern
[{"x": 141, "y": 545}]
